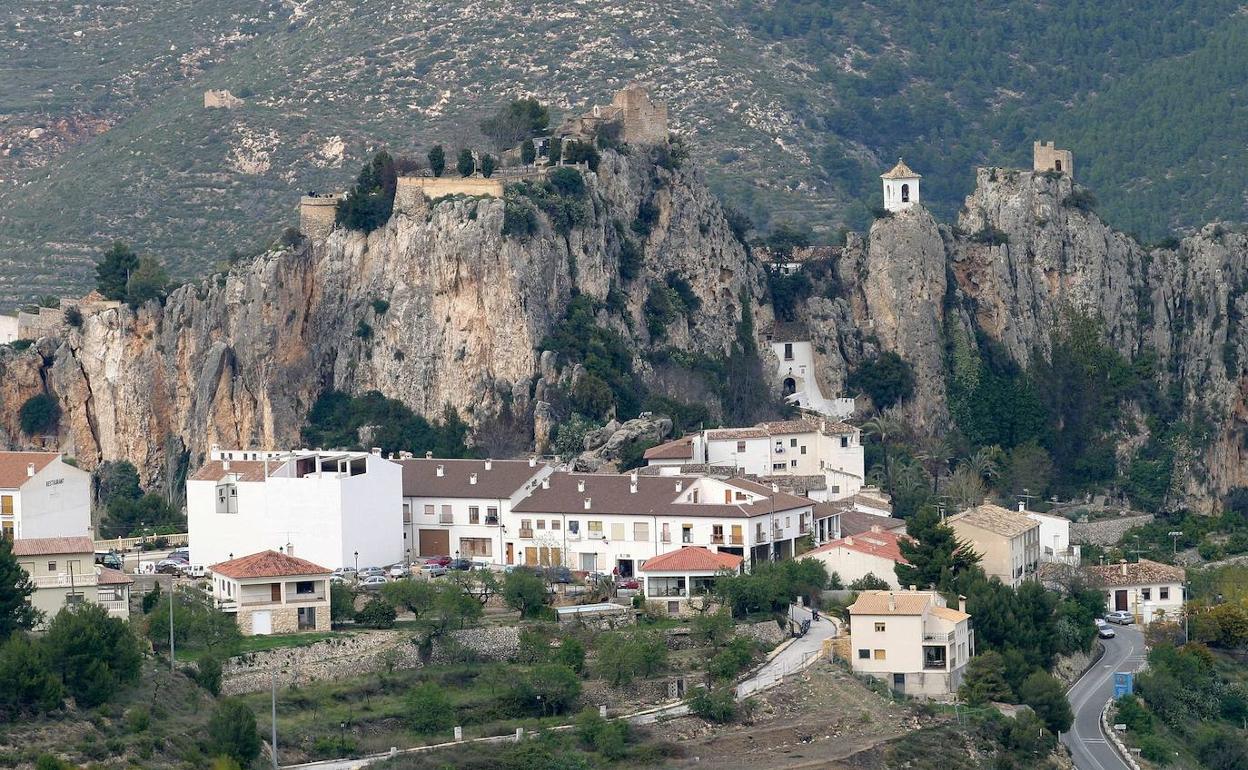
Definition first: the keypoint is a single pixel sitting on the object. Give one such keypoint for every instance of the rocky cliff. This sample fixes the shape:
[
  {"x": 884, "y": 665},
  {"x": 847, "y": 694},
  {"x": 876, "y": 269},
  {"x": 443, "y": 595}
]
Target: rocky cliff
[{"x": 436, "y": 308}]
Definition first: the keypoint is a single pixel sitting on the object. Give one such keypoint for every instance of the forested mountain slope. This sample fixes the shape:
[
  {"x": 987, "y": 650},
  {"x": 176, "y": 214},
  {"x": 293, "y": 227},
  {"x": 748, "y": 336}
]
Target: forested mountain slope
[{"x": 793, "y": 107}]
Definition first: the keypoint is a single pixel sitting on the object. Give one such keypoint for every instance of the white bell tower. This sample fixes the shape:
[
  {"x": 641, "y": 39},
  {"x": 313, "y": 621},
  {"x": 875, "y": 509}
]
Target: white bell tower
[{"x": 901, "y": 187}]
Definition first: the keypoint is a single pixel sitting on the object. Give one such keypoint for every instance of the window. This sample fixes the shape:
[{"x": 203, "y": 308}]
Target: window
[
  {"x": 641, "y": 531},
  {"x": 1057, "y": 165},
  {"x": 476, "y": 546},
  {"x": 879, "y": 628},
  {"x": 864, "y": 655},
  {"x": 778, "y": 466},
  {"x": 673, "y": 608},
  {"x": 879, "y": 655},
  {"x": 788, "y": 351},
  {"x": 792, "y": 442},
  {"x": 803, "y": 449},
  {"x": 836, "y": 489},
  {"x": 617, "y": 531},
  {"x": 554, "y": 524},
  {"x": 6, "y": 504},
  {"x": 844, "y": 441},
  {"x": 899, "y": 680},
  {"x": 305, "y": 587},
  {"x": 792, "y": 463},
  {"x": 1163, "y": 592},
  {"x": 429, "y": 509},
  {"x": 491, "y": 515},
  {"x": 574, "y": 527},
  {"x": 589, "y": 562},
  {"x": 595, "y": 529},
  {"x": 665, "y": 587},
  {"x": 905, "y": 193},
  {"x": 407, "y": 513},
  {"x": 474, "y": 514},
  {"x": 717, "y": 533},
  {"x": 526, "y": 525},
  {"x": 741, "y": 496},
  {"x": 446, "y": 513},
  {"x": 541, "y": 524},
  {"x": 51, "y": 566},
  {"x": 740, "y": 446},
  {"x": 695, "y": 496},
  {"x": 686, "y": 533},
  {"x": 1146, "y": 594}
]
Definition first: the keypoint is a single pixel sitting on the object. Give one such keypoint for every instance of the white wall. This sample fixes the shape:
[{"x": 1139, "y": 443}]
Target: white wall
[
  {"x": 853, "y": 565},
  {"x": 902, "y": 639},
  {"x": 55, "y": 502},
  {"x": 1146, "y": 609},
  {"x": 808, "y": 394},
  {"x": 892, "y": 194}
]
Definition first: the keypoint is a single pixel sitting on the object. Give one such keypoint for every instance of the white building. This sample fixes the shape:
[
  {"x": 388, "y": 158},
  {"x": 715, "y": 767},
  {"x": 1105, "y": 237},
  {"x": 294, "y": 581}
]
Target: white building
[
  {"x": 1147, "y": 589},
  {"x": 795, "y": 368},
  {"x": 677, "y": 578},
  {"x": 614, "y": 523},
  {"x": 911, "y": 640},
  {"x": 1055, "y": 543},
  {"x": 901, "y": 187},
  {"x": 273, "y": 593},
  {"x": 458, "y": 507},
  {"x": 1008, "y": 542},
  {"x": 333, "y": 508},
  {"x": 804, "y": 447},
  {"x": 875, "y": 552},
  {"x": 64, "y": 573},
  {"x": 41, "y": 495}
]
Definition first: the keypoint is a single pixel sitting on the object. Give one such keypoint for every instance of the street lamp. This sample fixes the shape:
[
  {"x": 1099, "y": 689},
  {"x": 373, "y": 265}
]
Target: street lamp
[
  {"x": 1175, "y": 535},
  {"x": 357, "y": 561}
]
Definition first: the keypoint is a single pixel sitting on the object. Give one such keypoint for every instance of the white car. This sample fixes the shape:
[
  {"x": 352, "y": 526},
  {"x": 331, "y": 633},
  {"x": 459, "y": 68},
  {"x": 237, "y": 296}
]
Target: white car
[
  {"x": 373, "y": 582},
  {"x": 1122, "y": 618},
  {"x": 346, "y": 573},
  {"x": 399, "y": 571}
]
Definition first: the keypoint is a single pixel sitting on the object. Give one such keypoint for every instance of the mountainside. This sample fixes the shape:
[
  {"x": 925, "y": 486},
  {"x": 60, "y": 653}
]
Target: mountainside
[
  {"x": 1029, "y": 321},
  {"x": 793, "y": 107}
]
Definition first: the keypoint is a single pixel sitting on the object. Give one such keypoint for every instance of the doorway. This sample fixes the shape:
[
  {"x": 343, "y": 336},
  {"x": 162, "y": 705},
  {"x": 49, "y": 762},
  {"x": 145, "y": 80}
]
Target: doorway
[{"x": 1120, "y": 600}]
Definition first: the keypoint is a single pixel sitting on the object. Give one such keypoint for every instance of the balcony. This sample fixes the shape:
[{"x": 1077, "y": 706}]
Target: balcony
[
  {"x": 932, "y": 636},
  {"x": 760, "y": 536},
  {"x": 777, "y": 532},
  {"x": 804, "y": 529},
  {"x": 491, "y": 521},
  {"x": 717, "y": 539},
  {"x": 63, "y": 581},
  {"x": 116, "y": 608},
  {"x": 526, "y": 534}
]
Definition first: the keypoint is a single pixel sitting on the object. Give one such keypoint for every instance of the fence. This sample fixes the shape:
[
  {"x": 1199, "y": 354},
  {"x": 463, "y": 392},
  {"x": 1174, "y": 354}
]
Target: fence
[{"x": 130, "y": 543}]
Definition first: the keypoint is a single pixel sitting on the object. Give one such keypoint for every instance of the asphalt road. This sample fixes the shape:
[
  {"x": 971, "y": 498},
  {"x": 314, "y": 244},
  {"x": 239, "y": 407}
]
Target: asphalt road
[{"x": 1087, "y": 742}]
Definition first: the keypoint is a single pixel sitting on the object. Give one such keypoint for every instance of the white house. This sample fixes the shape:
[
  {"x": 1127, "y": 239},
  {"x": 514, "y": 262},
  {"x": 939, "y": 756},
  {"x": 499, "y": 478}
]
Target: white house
[
  {"x": 64, "y": 573},
  {"x": 273, "y": 593},
  {"x": 41, "y": 495},
  {"x": 806, "y": 447},
  {"x": 607, "y": 522},
  {"x": 901, "y": 187},
  {"x": 795, "y": 359},
  {"x": 875, "y": 552},
  {"x": 911, "y": 640},
  {"x": 458, "y": 507},
  {"x": 1147, "y": 589},
  {"x": 676, "y": 578},
  {"x": 1055, "y": 543},
  {"x": 1008, "y": 542},
  {"x": 334, "y": 508}
]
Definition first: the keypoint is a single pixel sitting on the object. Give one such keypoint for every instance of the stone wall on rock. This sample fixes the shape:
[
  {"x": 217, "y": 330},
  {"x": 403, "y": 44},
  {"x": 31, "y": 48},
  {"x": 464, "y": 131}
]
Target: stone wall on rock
[{"x": 1106, "y": 531}]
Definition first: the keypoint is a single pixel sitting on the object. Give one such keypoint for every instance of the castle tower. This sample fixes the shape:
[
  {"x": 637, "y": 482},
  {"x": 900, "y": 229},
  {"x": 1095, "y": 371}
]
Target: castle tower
[
  {"x": 644, "y": 121},
  {"x": 1046, "y": 157},
  {"x": 317, "y": 212},
  {"x": 901, "y": 187}
]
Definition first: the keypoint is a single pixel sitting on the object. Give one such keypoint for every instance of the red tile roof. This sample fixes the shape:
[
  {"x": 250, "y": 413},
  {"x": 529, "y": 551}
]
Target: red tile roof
[
  {"x": 47, "y": 546},
  {"x": 654, "y": 496},
  {"x": 1142, "y": 573},
  {"x": 882, "y": 544},
  {"x": 245, "y": 470},
  {"x": 13, "y": 466},
  {"x": 692, "y": 559},
  {"x": 112, "y": 577},
  {"x": 680, "y": 449},
  {"x": 267, "y": 564},
  {"x": 503, "y": 479}
]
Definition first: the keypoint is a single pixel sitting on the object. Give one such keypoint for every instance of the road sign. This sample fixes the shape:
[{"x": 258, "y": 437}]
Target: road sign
[{"x": 1124, "y": 684}]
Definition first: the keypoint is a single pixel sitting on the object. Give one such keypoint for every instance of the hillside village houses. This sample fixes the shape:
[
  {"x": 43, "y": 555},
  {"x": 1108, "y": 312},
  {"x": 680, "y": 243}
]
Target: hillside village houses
[
  {"x": 1008, "y": 542},
  {"x": 334, "y": 508},
  {"x": 272, "y": 593},
  {"x": 1055, "y": 545},
  {"x": 911, "y": 640},
  {"x": 826, "y": 455},
  {"x": 461, "y": 507},
  {"x": 1147, "y": 589},
  {"x": 64, "y": 573},
  {"x": 41, "y": 495},
  {"x": 853, "y": 557},
  {"x": 678, "y": 581}
]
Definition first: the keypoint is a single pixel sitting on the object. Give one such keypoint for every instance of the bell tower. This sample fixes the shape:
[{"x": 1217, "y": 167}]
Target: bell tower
[{"x": 901, "y": 187}]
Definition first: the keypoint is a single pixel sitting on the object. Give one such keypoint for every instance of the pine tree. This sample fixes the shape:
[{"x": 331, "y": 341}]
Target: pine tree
[
  {"x": 16, "y": 588},
  {"x": 437, "y": 160},
  {"x": 936, "y": 557},
  {"x": 112, "y": 272}
]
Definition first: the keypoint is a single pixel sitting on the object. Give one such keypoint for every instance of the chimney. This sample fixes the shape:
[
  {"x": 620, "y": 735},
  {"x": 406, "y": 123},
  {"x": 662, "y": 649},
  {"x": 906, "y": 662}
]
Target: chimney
[
  {"x": 912, "y": 588},
  {"x": 961, "y": 603},
  {"x": 532, "y": 462},
  {"x": 472, "y": 478},
  {"x": 1022, "y": 506},
  {"x": 30, "y": 470},
  {"x": 546, "y": 483},
  {"x": 679, "y": 485},
  {"x": 892, "y": 604},
  {"x": 632, "y": 485},
  {"x": 391, "y": 456},
  {"x": 376, "y": 451},
  {"x": 428, "y": 455},
  {"x": 588, "y": 501},
  {"x": 849, "y": 540},
  {"x": 290, "y": 549},
  {"x": 225, "y": 465},
  {"x": 580, "y": 485},
  {"x": 488, "y": 463},
  {"x": 441, "y": 470}
]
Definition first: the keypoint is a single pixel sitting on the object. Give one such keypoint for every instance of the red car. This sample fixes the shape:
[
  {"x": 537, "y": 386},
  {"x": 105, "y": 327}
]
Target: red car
[
  {"x": 628, "y": 583},
  {"x": 441, "y": 561}
]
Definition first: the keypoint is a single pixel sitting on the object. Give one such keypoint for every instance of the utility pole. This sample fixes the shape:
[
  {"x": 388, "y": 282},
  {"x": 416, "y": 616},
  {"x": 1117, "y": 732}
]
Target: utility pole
[
  {"x": 273, "y": 717},
  {"x": 1174, "y": 534},
  {"x": 172, "y": 655}
]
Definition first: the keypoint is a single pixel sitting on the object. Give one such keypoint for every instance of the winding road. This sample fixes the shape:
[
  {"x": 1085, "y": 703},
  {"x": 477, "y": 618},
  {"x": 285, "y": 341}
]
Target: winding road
[{"x": 1087, "y": 742}]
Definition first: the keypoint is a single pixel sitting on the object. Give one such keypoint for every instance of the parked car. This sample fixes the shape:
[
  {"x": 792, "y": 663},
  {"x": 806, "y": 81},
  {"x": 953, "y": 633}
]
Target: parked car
[
  {"x": 195, "y": 571},
  {"x": 373, "y": 582},
  {"x": 557, "y": 574},
  {"x": 108, "y": 559},
  {"x": 631, "y": 584},
  {"x": 170, "y": 567},
  {"x": 441, "y": 561},
  {"x": 1122, "y": 618},
  {"x": 371, "y": 572},
  {"x": 463, "y": 565},
  {"x": 432, "y": 570},
  {"x": 183, "y": 553},
  {"x": 399, "y": 571},
  {"x": 345, "y": 573},
  {"x": 1105, "y": 632}
]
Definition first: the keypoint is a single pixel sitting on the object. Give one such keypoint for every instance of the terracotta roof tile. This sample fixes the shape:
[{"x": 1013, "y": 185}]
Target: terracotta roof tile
[
  {"x": 692, "y": 559},
  {"x": 948, "y": 613},
  {"x": 904, "y": 603},
  {"x": 680, "y": 449},
  {"x": 994, "y": 518},
  {"x": 735, "y": 433},
  {"x": 13, "y": 466},
  {"x": 245, "y": 470},
  {"x": 1141, "y": 573},
  {"x": 900, "y": 171},
  {"x": 656, "y": 495},
  {"x": 503, "y": 479},
  {"x": 111, "y": 577},
  {"x": 883, "y": 544},
  {"x": 267, "y": 564},
  {"x": 47, "y": 546}
]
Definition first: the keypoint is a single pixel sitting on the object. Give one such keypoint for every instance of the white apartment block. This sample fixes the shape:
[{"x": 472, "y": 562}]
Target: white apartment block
[
  {"x": 1008, "y": 542},
  {"x": 1055, "y": 545},
  {"x": 460, "y": 507},
  {"x": 911, "y": 640},
  {"x": 807, "y": 447},
  {"x": 41, "y": 495},
  {"x": 331, "y": 508},
  {"x": 64, "y": 574},
  {"x": 614, "y": 523}
]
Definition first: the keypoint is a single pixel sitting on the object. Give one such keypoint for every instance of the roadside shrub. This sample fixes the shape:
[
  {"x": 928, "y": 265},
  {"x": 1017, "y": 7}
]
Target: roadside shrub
[
  {"x": 376, "y": 613},
  {"x": 732, "y": 660},
  {"x": 1156, "y": 749},
  {"x": 718, "y": 705},
  {"x": 429, "y": 709}
]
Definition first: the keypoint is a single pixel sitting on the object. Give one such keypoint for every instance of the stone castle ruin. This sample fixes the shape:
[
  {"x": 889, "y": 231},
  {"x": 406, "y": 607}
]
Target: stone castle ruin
[
  {"x": 1046, "y": 157},
  {"x": 631, "y": 113},
  {"x": 221, "y": 100},
  {"x": 317, "y": 212}
]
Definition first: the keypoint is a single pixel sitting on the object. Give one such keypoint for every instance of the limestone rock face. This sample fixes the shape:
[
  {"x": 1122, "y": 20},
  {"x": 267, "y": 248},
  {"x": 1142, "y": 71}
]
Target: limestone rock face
[
  {"x": 605, "y": 445},
  {"x": 436, "y": 308}
]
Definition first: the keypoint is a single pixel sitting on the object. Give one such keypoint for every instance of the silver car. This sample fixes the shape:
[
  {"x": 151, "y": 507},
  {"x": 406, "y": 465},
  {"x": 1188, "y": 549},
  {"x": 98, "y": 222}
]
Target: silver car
[
  {"x": 1121, "y": 617},
  {"x": 373, "y": 582}
]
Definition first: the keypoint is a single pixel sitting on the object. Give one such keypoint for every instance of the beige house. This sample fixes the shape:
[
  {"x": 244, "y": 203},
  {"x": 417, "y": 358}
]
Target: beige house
[
  {"x": 272, "y": 593},
  {"x": 1147, "y": 589},
  {"x": 64, "y": 573},
  {"x": 911, "y": 640},
  {"x": 1008, "y": 542},
  {"x": 874, "y": 552},
  {"x": 676, "y": 578}
]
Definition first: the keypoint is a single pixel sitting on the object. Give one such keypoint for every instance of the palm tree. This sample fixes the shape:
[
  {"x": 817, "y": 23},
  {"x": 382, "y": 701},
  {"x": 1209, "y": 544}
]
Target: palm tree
[
  {"x": 935, "y": 457},
  {"x": 986, "y": 463}
]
